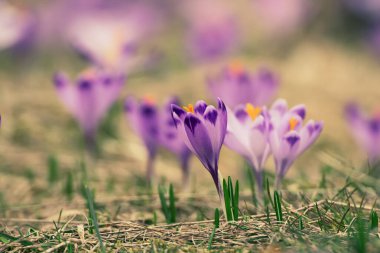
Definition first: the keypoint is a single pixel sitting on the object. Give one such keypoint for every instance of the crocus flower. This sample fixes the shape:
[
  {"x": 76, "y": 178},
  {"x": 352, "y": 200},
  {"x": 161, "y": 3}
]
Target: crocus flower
[
  {"x": 366, "y": 131},
  {"x": 247, "y": 134},
  {"x": 143, "y": 115},
  {"x": 212, "y": 30},
  {"x": 89, "y": 97},
  {"x": 16, "y": 25},
  {"x": 171, "y": 140},
  {"x": 203, "y": 128},
  {"x": 110, "y": 38},
  {"x": 235, "y": 85},
  {"x": 288, "y": 138}
]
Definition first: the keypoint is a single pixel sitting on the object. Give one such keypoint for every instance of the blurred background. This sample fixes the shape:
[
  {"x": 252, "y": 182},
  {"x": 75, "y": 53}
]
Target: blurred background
[{"x": 325, "y": 53}]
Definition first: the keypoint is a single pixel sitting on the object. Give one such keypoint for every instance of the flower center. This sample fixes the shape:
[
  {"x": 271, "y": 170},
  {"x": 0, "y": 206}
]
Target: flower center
[
  {"x": 189, "y": 108},
  {"x": 293, "y": 122},
  {"x": 236, "y": 68},
  {"x": 252, "y": 111},
  {"x": 149, "y": 99}
]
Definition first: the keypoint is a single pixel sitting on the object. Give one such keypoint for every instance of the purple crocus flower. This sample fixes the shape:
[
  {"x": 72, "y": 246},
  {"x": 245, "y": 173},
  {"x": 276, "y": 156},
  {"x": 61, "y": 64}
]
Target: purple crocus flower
[
  {"x": 212, "y": 30},
  {"x": 89, "y": 97},
  {"x": 237, "y": 86},
  {"x": 203, "y": 128},
  {"x": 288, "y": 138},
  {"x": 143, "y": 116},
  {"x": 109, "y": 37},
  {"x": 171, "y": 140},
  {"x": 16, "y": 25},
  {"x": 366, "y": 131},
  {"x": 247, "y": 134}
]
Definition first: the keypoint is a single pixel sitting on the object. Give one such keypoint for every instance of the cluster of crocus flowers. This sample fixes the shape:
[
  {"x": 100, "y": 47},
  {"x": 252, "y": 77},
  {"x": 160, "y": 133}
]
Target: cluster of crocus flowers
[
  {"x": 203, "y": 128},
  {"x": 288, "y": 136},
  {"x": 89, "y": 97},
  {"x": 235, "y": 85},
  {"x": 366, "y": 131},
  {"x": 256, "y": 132},
  {"x": 156, "y": 128}
]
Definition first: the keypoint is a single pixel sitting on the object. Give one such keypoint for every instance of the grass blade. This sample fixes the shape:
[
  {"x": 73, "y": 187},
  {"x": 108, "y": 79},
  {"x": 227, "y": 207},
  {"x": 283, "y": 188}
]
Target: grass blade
[
  {"x": 173, "y": 213},
  {"x": 94, "y": 219},
  {"x": 277, "y": 206},
  {"x": 227, "y": 201},
  {"x": 236, "y": 201},
  {"x": 269, "y": 194},
  {"x": 217, "y": 218},
  {"x": 164, "y": 207},
  {"x": 374, "y": 221}
]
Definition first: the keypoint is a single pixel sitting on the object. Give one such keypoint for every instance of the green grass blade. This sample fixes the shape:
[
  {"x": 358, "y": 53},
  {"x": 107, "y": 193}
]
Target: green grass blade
[
  {"x": 90, "y": 202},
  {"x": 269, "y": 194},
  {"x": 164, "y": 207},
  {"x": 173, "y": 212},
  {"x": 227, "y": 201},
  {"x": 374, "y": 221},
  {"x": 300, "y": 223},
  {"x": 252, "y": 185},
  {"x": 277, "y": 206},
  {"x": 211, "y": 238},
  {"x": 232, "y": 197},
  {"x": 216, "y": 218},
  {"x": 53, "y": 169},
  {"x": 68, "y": 189},
  {"x": 236, "y": 201}
]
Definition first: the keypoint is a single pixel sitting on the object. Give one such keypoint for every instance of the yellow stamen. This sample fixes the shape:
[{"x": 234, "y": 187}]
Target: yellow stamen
[
  {"x": 252, "y": 111},
  {"x": 236, "y": 68},
  {"x": 189, "y": 108},
  {"x": 293, "y": 122},
  {"x": 149, "y": 99}
]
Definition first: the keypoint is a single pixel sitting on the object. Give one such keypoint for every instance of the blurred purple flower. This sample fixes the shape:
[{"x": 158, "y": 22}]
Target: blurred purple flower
[
  {"x": 17, "y": 26},
  {"x": 247, "y": 134},
  {"x": 288, "y": 138},
  {"x": 212, "y": 30},
  {"x": 170, "y": 139},
  {"x": 109, "y": 38},
  {"x": 366, "y": 131},
  {"x": 203, "y": 128},
  {"x": 237, "y": 86},
  {"x": 89, "y": 97},
  {"x": 143, "y": 115},
  {"x": 282, "y": 18}
]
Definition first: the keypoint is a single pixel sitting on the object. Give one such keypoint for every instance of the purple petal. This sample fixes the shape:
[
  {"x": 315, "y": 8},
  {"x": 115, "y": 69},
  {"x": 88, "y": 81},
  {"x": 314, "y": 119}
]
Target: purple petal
[
  {"x": 299, "y": 110},
  {"x": 211, "y": 115},
  {"x": 292, "y": 139},
  {"x": 200, "y": 107},
  {"x": 178, "y": 110}
]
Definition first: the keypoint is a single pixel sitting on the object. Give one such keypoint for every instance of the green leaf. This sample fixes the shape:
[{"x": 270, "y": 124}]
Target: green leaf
[
  {"x": 53, "y": 169},
  {"x": 4, "y": 238},
  {"x": 269, "y": 194},
  {"x": 94, "y": 219},
  {"x": 277, "y": 206},
  {"x": 300, "y": 223},
  {"x": 211, "y": 238},
  {"x": 227, "y": 201},
  {"x": 164, "y": 207},
  {"x": 236, "y": 201},
  {"x": 217, "y": 218},
  {"x": 374, "y": 220},
  {"x": 173, "y": 212}
]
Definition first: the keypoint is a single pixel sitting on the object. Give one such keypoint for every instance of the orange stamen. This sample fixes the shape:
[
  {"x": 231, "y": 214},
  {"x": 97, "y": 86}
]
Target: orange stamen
[
  {"x": 189, "y": 108},
  {"x": 252, "y": 111},
  {"x": 293, "y": 122},
  {"x": 236, "y": 68},
  {"x": 149, "y": 99}
]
